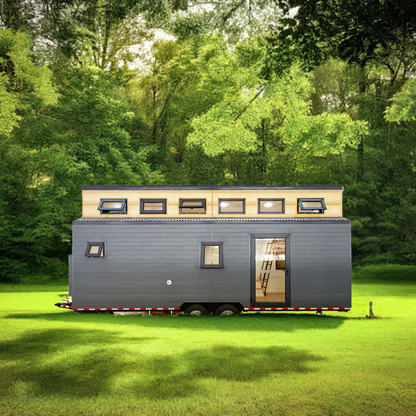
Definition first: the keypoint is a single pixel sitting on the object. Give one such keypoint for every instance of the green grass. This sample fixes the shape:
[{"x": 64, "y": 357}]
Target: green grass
[
  {"x": 56, "y": 362},
  {"x": 49, "y": 287}
]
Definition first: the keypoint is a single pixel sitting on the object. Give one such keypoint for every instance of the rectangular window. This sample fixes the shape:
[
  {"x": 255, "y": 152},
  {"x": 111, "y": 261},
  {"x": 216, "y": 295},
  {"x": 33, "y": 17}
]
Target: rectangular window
[
  {"x": 231, "y": 206},
  {"x": 311, "y": 205},
  {"x": 152, "y": 206},
  {"x": 271, "y": 206},
  {"x": 95, "y": 250},
  {"x": 192, "y": 206},
  {"x": 212, "y": 256},
  {"x": 113, "y": 206}
]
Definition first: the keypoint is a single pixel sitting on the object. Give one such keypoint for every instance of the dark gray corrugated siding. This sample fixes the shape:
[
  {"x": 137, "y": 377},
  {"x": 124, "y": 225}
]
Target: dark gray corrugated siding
[
  {"x": 141, "y": 256},
  {"x": 70, "y": 275}
]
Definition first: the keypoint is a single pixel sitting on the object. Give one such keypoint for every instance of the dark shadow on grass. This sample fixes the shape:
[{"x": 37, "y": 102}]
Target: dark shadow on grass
[
  {"x": 52, "y": 362},
  {"x": 283, "y": 322}
]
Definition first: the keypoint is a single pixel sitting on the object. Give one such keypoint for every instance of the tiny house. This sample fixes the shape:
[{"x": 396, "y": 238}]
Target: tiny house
[{"x": 217, "y": 249}]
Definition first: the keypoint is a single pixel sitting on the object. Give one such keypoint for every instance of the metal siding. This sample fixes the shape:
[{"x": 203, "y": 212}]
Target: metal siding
[
  {"x": 321, "y": 269},
  {"x": 140, "y": 257},
  {"x": 70, "y": 275}
]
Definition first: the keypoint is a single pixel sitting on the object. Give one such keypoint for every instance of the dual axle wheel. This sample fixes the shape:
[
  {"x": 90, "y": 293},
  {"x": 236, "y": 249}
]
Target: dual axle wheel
[{"x": 222, "y": 310}]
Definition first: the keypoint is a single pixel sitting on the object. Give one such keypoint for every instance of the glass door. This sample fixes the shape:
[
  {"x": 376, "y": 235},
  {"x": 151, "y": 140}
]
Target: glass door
[{"x": 270, "y": 270}]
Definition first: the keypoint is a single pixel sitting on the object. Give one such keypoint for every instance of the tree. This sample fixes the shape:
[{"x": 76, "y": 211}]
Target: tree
[
  {"x": 24, "y": 88},
  {"x": 361, "y": 32}
]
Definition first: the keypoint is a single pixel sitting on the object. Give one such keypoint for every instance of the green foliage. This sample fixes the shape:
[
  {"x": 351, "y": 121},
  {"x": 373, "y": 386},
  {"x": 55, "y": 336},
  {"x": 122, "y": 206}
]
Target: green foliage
[
  {"x": 323, "y": 134},
  {"x": 392, "y": 272},
  {"x": 30, "y": 83},
  {"x": 403, "y": 106},
  {"x": 8, "y": 102},
  {"x": 53, "y": 144},
  {"x": 218, "y": 131},
  {"x": 235, "y": 20},
  {"x": 233, "y": 100},
  {"x": 356, "y": 31}
]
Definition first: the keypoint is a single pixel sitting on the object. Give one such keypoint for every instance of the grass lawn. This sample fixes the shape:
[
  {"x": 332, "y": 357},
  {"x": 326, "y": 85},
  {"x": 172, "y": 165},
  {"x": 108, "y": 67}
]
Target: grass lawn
[{"x": 57, "y": 362}]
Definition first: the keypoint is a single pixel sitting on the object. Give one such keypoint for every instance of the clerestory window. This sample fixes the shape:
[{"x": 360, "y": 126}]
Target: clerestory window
[
  {"x": 311, "y": 206},
  {"x": 192, "y": 206},
  {"x": 113, "y": 206}
]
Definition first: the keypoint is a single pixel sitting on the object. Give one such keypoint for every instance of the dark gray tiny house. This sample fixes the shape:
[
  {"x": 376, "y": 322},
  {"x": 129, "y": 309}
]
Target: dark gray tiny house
[{"x": 232, "y": 257}]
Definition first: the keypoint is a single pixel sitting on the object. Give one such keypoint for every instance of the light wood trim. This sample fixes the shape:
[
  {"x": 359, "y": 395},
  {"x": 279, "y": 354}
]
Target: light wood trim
[{"x": 91, "y": 199}]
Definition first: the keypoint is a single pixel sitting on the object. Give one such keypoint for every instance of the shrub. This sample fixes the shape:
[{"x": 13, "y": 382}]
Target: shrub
[{"x": 385, "y": 272}]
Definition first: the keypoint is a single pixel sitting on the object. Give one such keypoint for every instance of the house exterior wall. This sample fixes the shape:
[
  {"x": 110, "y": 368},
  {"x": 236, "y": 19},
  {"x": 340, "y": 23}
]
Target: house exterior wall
[
  {"x": 70, "y": 275},
  {"x": 141, "y": 255}
]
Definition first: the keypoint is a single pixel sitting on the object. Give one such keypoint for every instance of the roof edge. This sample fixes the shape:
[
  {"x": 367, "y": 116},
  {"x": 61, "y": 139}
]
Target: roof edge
[
  {"x": 211, "y": 219},
  {"x": 209, "y": 188}
]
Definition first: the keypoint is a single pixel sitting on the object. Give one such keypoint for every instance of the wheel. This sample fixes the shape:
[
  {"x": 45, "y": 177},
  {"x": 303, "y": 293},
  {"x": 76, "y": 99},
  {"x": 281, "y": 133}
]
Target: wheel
[
  {"x": 196, "y": 310},
  {"x": 226, "y": 310}
]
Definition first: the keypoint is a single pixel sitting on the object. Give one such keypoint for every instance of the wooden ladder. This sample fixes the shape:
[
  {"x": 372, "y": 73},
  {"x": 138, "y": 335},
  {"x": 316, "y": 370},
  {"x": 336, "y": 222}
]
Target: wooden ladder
[
  {"x": 266, "y": 265},
  {"x": 264, "y": 279}
]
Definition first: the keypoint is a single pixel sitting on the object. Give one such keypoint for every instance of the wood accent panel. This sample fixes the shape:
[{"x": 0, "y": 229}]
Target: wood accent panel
[{"x": 91, "y": 200}]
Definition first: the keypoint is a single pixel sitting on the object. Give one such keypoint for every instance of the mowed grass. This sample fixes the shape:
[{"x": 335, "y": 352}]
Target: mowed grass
[{"x": 57, "y": 362}]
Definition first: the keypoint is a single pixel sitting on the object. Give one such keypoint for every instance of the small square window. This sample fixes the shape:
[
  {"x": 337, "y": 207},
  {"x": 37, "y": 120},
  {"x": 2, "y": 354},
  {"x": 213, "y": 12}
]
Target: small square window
[
  {"x": 192, "y": 206},
  {"x": 113, "y": 206},
  {"x": 271, "y": 206},
  {"x": 311, "y": 206},
  {"x": 152, "y": 206},
  {"x": 212, "y": 256},
  {"x": 231, "y": 206},
  {"x": 95, "y": 250}
]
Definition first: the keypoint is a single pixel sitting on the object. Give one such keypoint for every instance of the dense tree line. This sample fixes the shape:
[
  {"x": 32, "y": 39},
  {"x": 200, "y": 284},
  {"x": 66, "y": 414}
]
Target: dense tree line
[{"x": 249, "y": 92}]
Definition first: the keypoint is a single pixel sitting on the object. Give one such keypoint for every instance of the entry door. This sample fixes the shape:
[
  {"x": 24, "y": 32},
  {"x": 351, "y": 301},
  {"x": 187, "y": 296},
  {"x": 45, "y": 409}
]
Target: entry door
[{"x": 270, "y": 270}]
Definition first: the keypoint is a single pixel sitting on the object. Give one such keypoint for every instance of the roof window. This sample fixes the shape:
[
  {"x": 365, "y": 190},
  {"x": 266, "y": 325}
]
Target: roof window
[
  {"x": 152, "y": 206},
  {"x": 192, "y": 206},
  {"x": 311, "y": 206},
  {"x": 113, "y": 206},
  {"x": 231, "y": 206},
  {"x": 95, "y": 249},
  {"x": 271, "y": 206}
]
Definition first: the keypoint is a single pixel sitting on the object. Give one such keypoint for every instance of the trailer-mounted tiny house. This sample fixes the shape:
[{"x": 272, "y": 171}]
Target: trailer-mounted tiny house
[{"x": 217, "y": 249}]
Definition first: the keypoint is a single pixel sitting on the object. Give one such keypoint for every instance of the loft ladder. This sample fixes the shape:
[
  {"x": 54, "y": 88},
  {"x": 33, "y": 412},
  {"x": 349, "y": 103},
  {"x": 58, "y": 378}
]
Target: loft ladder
[{"x": 267, "y": 265}]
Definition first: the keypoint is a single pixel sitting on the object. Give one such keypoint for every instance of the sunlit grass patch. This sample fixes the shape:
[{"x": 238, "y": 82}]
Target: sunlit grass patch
[{"x": 57, "y": 362}]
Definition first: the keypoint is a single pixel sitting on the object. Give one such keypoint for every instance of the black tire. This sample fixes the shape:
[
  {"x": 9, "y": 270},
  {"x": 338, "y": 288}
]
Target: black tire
[
  {"x": 196, "y": 310},
  {"x": 226, "y": 310}
]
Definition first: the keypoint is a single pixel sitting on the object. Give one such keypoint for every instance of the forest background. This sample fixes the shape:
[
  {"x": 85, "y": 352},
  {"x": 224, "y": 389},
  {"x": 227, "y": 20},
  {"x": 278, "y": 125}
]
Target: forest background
[{"x": 204, "y": 92}]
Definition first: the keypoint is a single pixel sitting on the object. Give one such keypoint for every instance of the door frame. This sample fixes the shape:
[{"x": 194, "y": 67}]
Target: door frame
[{"x": 288, "y": 268}]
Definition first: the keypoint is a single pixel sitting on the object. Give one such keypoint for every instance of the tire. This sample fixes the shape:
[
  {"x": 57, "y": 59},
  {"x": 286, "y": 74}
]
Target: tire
[
  {"x": 226, "y": 310},
  {"x": 196, "y": 310}
]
